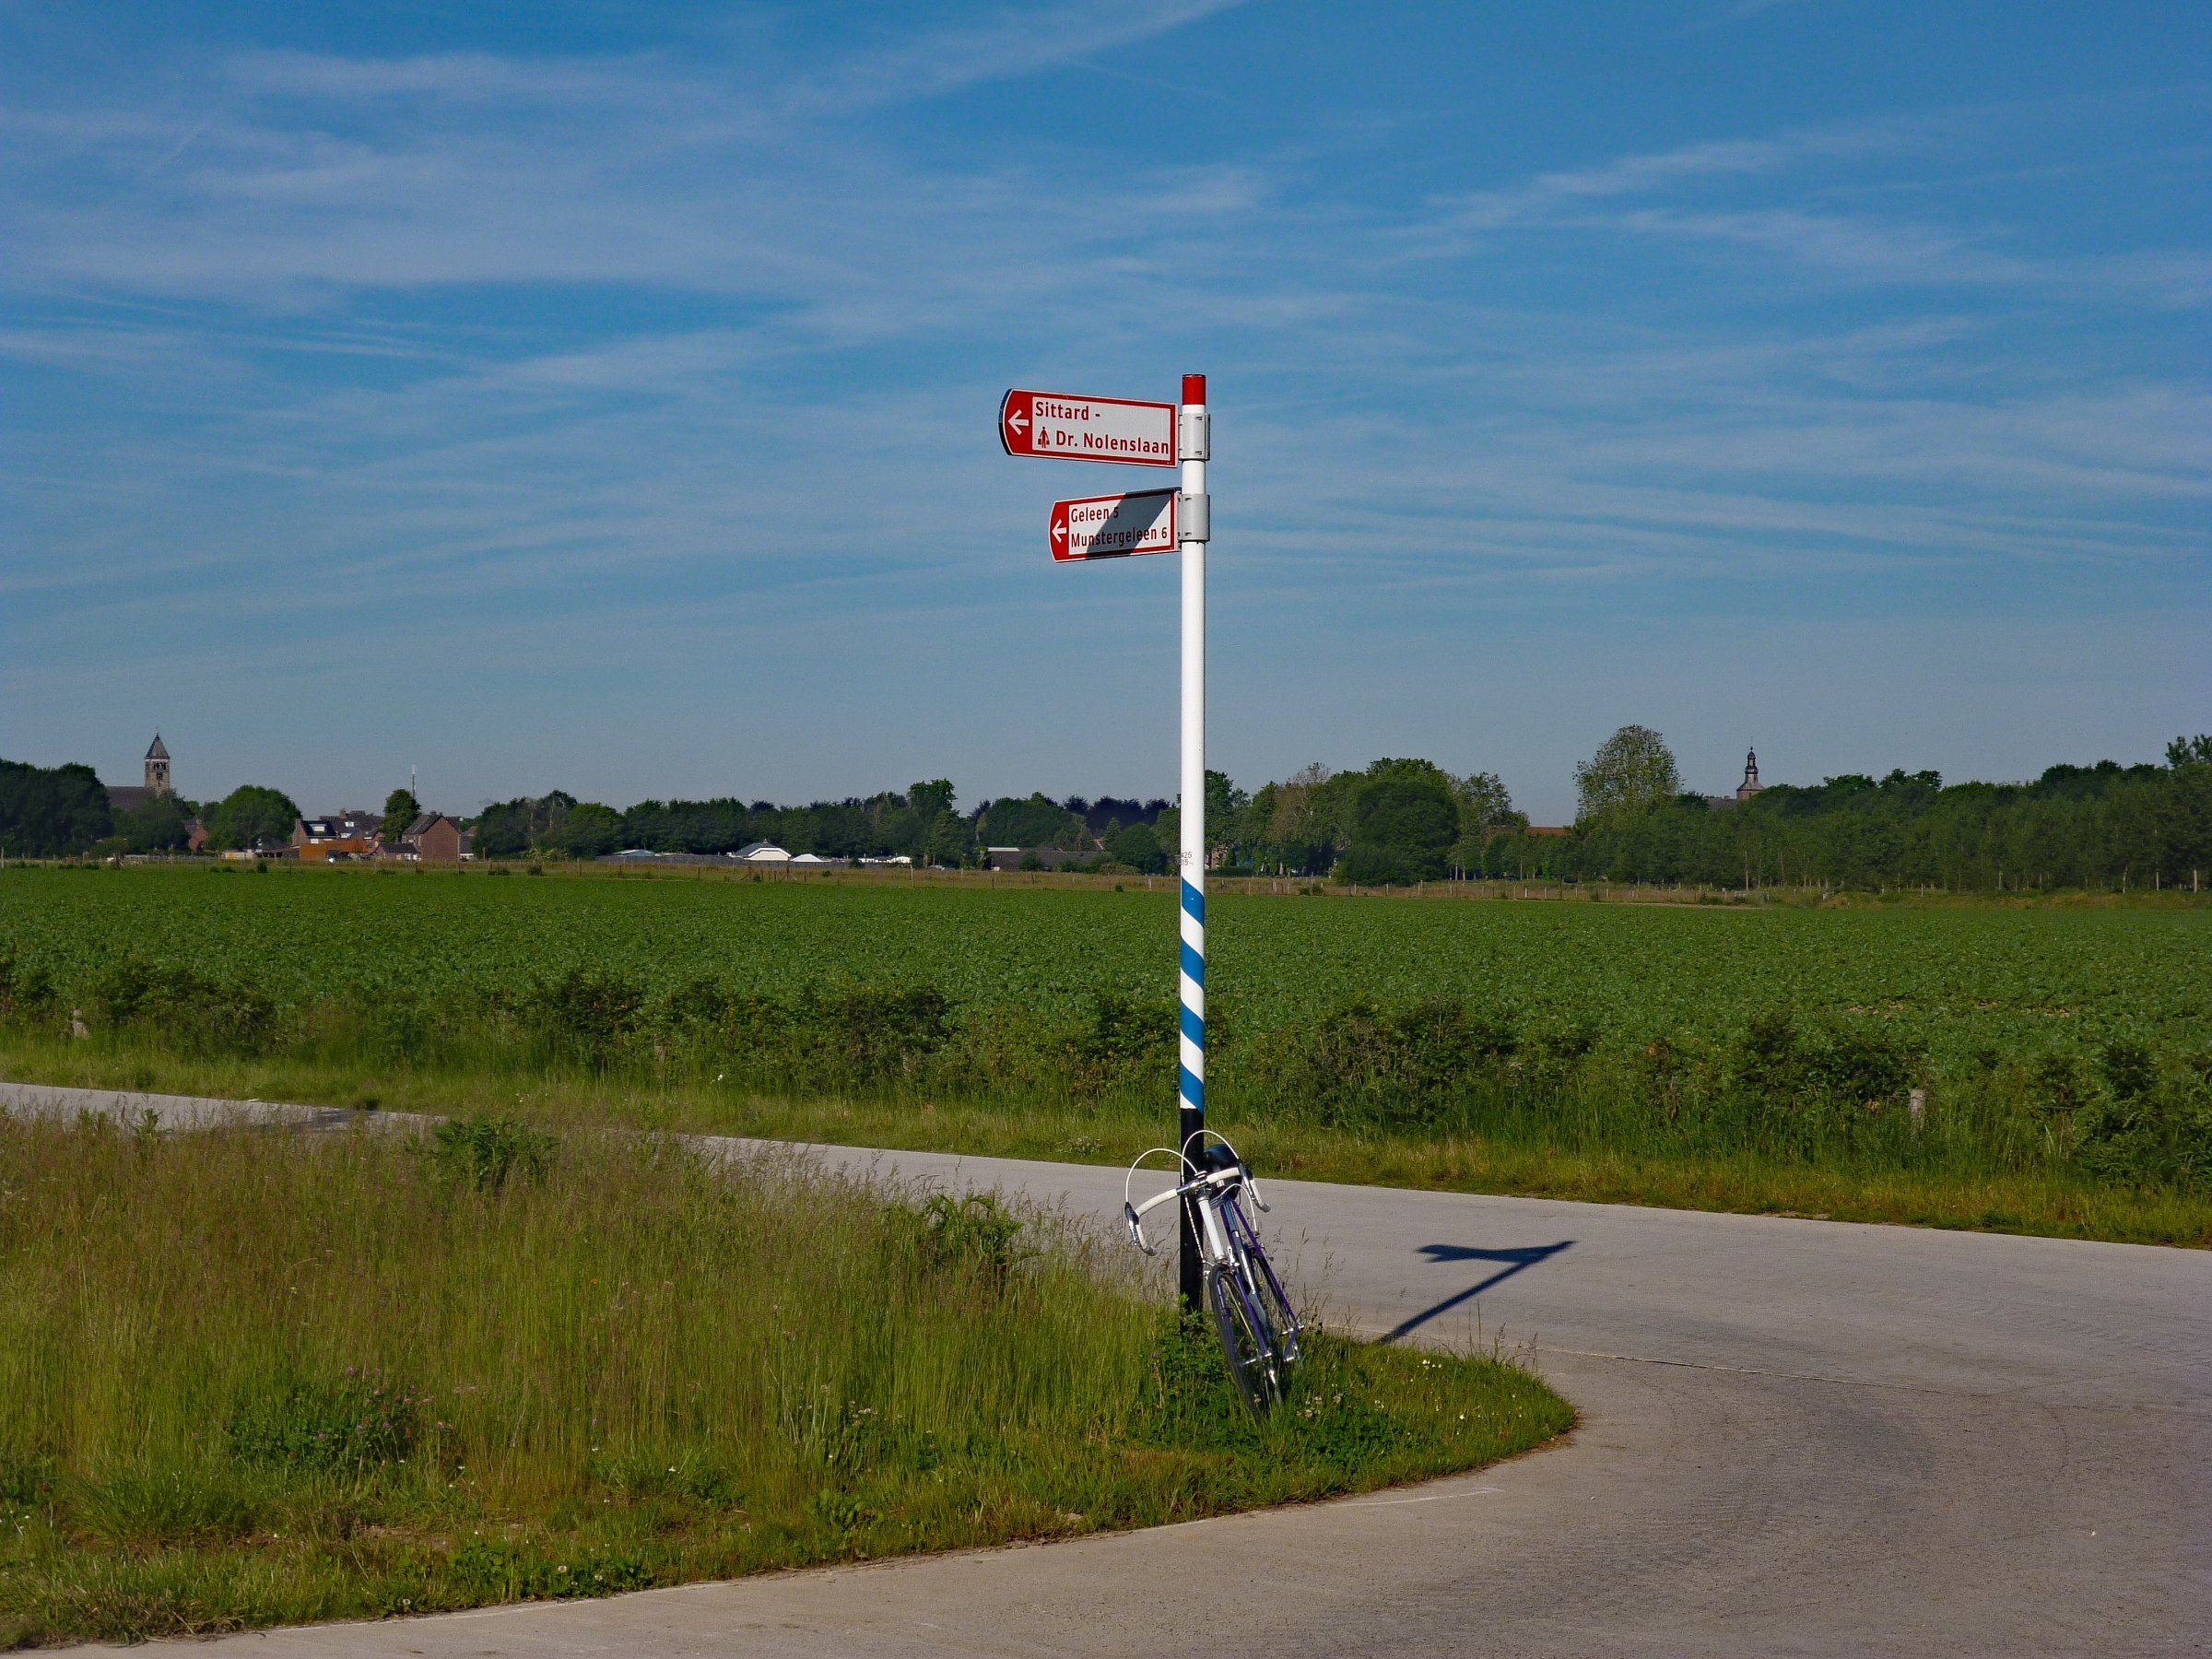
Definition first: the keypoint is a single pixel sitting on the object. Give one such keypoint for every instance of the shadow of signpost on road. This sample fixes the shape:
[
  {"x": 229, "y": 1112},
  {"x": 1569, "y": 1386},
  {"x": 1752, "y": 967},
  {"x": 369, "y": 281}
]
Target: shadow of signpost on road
[{"x": 1516, "y": 1261}]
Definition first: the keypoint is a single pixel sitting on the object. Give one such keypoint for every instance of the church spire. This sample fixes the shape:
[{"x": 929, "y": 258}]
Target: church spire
[{"x": 1750, "y": 785}]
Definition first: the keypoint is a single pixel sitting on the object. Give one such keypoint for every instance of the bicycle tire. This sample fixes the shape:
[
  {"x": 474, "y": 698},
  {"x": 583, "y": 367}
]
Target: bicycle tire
[
  {"x": 1274, "y": 1306},
  {"x": 1244, "y": 1344},
  {"x": 1268, "y": 1298}
]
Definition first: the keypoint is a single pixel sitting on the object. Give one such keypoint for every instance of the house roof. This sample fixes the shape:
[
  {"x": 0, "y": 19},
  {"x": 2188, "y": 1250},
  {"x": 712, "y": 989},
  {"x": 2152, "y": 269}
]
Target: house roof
[
  {"x": 127, "y": 797},
  {"x": 423, "y": 823},
  {"x": 342, "y": 826},
  {"x": 158, "y": 752},
  {"x": 765, "y": 851}
]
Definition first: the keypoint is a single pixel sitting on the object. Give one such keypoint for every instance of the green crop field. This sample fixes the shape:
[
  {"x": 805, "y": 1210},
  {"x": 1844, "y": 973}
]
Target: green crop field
[
  {"x": 1954, "y": 979},
  {"x": 1953, "y": 1044}
]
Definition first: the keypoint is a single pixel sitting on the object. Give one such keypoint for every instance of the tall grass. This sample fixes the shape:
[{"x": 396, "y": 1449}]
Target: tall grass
[{"x": 250, "y": 1377}]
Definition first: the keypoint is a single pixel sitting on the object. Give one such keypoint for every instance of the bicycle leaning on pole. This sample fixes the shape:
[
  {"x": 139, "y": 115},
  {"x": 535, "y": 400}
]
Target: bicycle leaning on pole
[{"x": 1259, "y": 1330}]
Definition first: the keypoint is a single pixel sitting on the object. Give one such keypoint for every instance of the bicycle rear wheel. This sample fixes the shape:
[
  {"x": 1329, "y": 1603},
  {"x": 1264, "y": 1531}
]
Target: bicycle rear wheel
[{"x": 1244, "y": 1341}]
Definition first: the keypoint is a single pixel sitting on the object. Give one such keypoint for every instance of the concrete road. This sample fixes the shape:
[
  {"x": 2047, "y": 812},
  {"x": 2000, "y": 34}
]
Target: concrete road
[{"x": 1799, "y": 1437}]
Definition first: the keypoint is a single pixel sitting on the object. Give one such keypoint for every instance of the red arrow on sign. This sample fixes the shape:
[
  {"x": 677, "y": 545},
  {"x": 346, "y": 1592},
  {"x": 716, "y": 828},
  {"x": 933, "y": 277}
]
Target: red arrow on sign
[
  {"x": 1065, "y": 425},
  {"x": 1115, "y": 527}
]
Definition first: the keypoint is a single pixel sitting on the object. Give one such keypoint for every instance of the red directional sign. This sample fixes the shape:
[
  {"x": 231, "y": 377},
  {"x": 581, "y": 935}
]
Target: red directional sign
[
  {"x": 1062, "y": 425},
  {"x": 1115, "y": 527}
]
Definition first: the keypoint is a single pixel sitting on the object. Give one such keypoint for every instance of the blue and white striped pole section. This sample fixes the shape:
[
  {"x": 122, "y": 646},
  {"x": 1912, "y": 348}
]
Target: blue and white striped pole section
[{"x": 1194, "y": 442}]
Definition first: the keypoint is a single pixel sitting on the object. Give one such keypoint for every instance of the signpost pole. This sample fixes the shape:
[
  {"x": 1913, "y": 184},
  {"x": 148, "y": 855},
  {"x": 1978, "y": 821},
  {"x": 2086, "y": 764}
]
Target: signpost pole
[
  {"x": 1193, "y": 445},
  {"x": 1066, "y": 426}
]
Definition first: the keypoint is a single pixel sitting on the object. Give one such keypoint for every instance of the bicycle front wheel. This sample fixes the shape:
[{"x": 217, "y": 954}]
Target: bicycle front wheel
[
  {"x": 1243, "y": 1343},
  {"x": 1275, "y": 1311},
  {"x": 1278, "y": 1320}
]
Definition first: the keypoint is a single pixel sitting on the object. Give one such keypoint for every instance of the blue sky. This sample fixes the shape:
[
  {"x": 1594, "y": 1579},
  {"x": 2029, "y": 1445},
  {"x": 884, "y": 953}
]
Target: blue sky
[{"x": 602, "y": 397}]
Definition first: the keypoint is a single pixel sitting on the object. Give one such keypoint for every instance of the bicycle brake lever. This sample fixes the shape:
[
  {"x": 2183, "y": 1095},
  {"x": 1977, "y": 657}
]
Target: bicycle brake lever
[
  {"x": 1253, "y": 1186},
  {"x": 1136, "y": 1228}
]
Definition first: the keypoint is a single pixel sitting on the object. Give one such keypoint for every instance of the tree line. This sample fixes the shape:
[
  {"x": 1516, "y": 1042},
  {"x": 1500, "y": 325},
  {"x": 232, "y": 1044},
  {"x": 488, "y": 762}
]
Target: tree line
[
  {"x": 1397, "y": 821},
  {"x": 922, "y": 823}
]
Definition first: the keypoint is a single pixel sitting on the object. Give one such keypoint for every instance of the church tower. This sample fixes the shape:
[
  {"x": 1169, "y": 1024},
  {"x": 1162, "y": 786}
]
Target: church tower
[
  {"x": 156, "y": 771},
  {"x": 1750, "y": 785}
]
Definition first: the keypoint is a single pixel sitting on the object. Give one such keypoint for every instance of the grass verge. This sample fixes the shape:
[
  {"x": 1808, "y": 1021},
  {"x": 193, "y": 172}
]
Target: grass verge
[
  {"x": 249, "y": 1378},
  {"x": 2052, "y": 1200}
]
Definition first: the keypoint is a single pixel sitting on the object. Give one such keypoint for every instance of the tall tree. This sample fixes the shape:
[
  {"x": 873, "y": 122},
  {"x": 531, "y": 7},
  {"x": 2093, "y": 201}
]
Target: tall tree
[
  {"x": 1485, "y": 803},
  {"x": 251, "y": 816},
  {"x": 1632, "y": 772},
  {"x": 162, "y": 825},
  {"x": 948, "y": 842},
  {"x": 588, "y": 830},
  {"x": 1298, "y": 828},
  {"x": 52, "y": 811},
  {"x": 401, "y": 808},
  {"x": 1038, "y": 821},
  {"x": 1137, "y": 847},
  {"x": 1405, "y": 815},
  {"x": 1225, "y": 804},
  {"x": 930, "y": 798}
]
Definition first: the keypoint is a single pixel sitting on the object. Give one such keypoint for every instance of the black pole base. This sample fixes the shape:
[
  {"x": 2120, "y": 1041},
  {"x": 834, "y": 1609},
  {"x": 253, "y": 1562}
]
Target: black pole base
[{"x": 1190, "y": 1122}]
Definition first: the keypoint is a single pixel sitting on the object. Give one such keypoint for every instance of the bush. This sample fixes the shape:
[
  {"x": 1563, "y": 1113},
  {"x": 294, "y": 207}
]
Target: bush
[
  {"x": 1795, "y": 1089},
  {"x": 180, "y": 1009},
  {"x": 874, "y": 1033},
  {"x": 1364, "y": 1063},
  {"x": 2148, "y": 1127},
  {"x": 1130, "y": 1041},
  {"x": 976, "y": 1235},
  {"x": 1553, "y": 1051},
  {"x": 482, "y": 1151},
  {"x": 2059, "y": 1084},
  {"x": 585, "y": 1014},
  {"x": 725, "y": 1024},
  {"x": 26, "y": 995}
]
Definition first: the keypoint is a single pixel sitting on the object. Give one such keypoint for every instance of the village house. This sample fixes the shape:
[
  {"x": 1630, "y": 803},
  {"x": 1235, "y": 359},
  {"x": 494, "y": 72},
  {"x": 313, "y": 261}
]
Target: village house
[
  {"x": 337, "y": 837},
  {"x": 432, "y": 838}
]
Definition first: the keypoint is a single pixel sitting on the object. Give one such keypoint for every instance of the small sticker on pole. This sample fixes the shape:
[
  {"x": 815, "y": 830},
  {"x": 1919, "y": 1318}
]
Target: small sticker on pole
[
  {"x": 1115, "y": 527},
  {"x": 1066, "y": 426}
]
